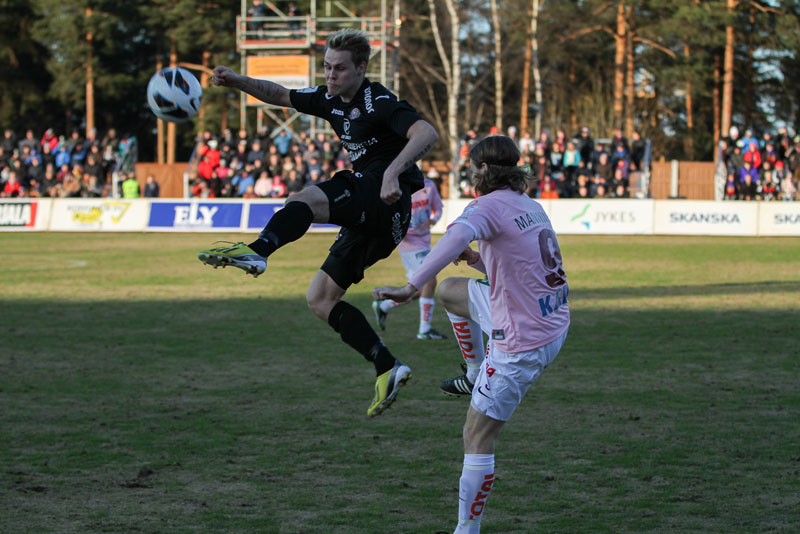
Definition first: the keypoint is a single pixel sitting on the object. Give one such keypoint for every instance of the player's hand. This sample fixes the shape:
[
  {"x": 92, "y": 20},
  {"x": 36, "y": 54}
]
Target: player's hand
[
  {"x": 390, "y": 189},
  {"x": 396, "y": 293},
  {"x": 468, "y": 255},
  {"x": 223, "y": 76}
]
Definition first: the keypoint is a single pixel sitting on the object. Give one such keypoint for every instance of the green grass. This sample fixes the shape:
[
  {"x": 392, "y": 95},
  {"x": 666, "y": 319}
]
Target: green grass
[{"x": 143, "y": 392}]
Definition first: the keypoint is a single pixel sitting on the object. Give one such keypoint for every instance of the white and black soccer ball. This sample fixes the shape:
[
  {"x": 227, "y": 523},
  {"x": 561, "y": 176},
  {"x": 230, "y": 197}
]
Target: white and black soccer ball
[{"x": 174, "y": 94}]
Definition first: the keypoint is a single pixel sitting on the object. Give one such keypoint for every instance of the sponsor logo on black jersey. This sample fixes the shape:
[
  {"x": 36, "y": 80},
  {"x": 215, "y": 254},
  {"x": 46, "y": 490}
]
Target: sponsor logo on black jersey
[{"x": 368, "y": 100}]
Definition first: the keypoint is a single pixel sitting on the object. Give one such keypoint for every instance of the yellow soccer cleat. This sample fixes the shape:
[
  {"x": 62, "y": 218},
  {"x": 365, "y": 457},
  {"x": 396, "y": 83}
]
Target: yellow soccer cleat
[
  {"x": 387, "y": 386},
  {"x": 236, "y": 255}
]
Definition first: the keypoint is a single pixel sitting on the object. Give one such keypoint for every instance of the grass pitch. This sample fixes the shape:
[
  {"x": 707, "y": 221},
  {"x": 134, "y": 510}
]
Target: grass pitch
[{"x": 141, "y": 391}]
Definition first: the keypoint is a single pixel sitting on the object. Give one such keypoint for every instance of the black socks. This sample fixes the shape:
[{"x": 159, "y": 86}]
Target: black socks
[
  {"x": 355, "y": 330},
  {"x": 286, "y": 225},
  {"x": 289, "y": 224}
]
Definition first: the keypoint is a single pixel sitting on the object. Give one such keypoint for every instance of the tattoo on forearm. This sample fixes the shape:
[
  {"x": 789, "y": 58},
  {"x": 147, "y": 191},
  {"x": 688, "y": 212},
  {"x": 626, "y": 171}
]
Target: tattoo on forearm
[
  {"x": 262, "y": 89},
  {"x": 416, "y": 158}
]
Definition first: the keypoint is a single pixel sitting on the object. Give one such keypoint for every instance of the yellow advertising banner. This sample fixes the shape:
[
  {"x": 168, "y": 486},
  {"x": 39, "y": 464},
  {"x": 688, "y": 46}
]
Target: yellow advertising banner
[{"x": 291, "y": 72}]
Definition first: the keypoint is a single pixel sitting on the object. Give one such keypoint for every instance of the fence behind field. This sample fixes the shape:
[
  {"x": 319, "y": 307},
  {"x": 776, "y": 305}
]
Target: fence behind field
[
  {"x": 695, "y": 179},
  {"x": 568, "y": 216}
]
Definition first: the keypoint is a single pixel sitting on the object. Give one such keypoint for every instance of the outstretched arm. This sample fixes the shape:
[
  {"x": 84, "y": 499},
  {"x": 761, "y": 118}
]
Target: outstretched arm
[
  {"x": 421, "y": 137},
  {"x": 264, "y": 90},
  {"x": 452, "y": 245}
]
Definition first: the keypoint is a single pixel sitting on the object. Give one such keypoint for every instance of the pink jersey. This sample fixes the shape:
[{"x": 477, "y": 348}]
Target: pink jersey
[
  {"x": 426, "y": 209},
  {"x": 519, "y": 249}
]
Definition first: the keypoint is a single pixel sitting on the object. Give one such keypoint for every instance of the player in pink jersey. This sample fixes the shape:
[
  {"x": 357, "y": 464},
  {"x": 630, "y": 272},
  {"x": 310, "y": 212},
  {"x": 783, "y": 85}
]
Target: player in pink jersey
[
  {"x": 523, "y": 307},
  {"x": 426, "y": 210}
]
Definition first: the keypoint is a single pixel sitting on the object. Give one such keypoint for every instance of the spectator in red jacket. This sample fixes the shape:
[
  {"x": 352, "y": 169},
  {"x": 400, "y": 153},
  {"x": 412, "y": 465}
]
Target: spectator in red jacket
[
  {"x": 205, "y": 168},
  {"x": 50, "y": 139},
  {"x": 12, "y": 188},
  {"x": 753, "y": 155}
]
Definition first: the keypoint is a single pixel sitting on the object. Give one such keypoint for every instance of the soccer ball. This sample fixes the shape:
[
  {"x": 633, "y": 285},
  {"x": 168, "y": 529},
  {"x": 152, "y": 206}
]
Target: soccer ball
[{"x": 174, "y": 94}]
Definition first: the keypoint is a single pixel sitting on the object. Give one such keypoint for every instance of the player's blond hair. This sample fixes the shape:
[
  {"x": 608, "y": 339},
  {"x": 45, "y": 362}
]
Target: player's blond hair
[
  {"x": 501, "y": 155},
  {"x": 354, "y": 41}
]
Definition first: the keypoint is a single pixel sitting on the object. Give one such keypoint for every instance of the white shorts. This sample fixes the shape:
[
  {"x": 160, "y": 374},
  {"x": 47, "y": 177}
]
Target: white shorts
[
  {"x": 479, "y": 308},
  {"x": 413, "y": 259},
  {"x": 504, "y": 378}
]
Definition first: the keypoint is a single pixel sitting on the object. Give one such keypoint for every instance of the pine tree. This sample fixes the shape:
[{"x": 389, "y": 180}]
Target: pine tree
[{"x": 24, "y": 79}]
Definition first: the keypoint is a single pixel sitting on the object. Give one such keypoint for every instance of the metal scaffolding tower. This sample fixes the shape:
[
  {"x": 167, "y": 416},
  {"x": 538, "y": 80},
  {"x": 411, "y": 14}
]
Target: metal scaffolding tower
[{"x": 286, "y": 46}]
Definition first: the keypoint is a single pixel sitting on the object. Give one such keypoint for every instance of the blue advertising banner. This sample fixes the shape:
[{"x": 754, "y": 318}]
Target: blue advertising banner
[
  {"x": 196, "y": 215},
  {"x": 261, "y": 213}
]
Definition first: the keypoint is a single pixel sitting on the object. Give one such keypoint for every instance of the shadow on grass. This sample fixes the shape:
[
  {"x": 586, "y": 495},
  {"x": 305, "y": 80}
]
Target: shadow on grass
[
  {"x": 738, "y": 288},
  {"x": 204, "y": 415}
]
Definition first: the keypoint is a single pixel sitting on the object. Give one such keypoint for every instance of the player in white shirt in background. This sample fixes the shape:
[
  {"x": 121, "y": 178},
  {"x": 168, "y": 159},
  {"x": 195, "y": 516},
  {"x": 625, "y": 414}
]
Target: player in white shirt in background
[
  {"x": 524, "y": 306},
  {"x": 426, "y": 210}
]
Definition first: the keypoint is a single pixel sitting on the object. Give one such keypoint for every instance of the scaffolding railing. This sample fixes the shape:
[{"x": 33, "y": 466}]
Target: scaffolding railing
[{"x": 280, "y": 34}]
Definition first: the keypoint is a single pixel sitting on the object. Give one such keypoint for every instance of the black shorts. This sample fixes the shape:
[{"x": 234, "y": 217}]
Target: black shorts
[{"x": 370, "y": 229}]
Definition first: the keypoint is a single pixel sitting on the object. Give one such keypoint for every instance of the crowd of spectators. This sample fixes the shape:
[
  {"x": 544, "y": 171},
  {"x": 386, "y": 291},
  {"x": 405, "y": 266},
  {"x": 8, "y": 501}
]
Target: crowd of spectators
[
  {"x": 763, "y": 168},
  {"x": 561, "y": 166},
  {"x": 273, "y": 165},
  {"x": 263, "y": 166},
  {"x": 59, "y": 166}
]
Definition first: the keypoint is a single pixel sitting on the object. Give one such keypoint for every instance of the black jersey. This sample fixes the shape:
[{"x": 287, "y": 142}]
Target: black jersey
[{"x": 372, "y": 126}]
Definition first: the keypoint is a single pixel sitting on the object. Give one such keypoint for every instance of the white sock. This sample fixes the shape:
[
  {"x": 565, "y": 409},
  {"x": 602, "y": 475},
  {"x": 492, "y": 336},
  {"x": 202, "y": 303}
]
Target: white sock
[
  {"x": 425, "y": 314},
  {"x": 470, "y": 341},
  {"x": 477, "y": 477},
  {"x": 388, "y": 304}
]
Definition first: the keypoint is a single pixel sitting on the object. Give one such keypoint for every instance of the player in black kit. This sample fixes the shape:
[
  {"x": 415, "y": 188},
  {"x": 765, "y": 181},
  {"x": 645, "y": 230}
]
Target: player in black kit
[{"x": 372, "y": 203}]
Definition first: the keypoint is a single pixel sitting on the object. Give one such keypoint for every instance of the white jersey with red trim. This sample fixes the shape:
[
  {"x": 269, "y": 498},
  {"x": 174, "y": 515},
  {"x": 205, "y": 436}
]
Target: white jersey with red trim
[{"x": 426, "y": 210}]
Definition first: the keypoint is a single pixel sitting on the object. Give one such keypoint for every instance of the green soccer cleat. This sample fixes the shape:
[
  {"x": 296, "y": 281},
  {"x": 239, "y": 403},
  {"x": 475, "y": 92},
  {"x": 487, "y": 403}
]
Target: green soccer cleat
[
  {"x": 236, "y": 255},
  {"x": 380, "y": 315},
  {"x": 387, "y": 386},
  {"x": 431, "y": 334}
]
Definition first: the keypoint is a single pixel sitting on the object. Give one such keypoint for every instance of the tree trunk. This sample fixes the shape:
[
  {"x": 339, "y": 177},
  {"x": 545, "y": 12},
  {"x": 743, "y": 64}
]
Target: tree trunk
[
  {"x": 159, "y": 125},
  {"x": 498, "y": 69},
  {"x": 452, "y": 71},
  {"x": 223, "y": 100},
  {"x": 715, "y": 103},
  {"x": 749, "y": 90},
  {"x": 619, "y": 65},
  {"x": 173, "y": 62},
  {"x": 573, "y": 113},
  {"x": 630, "y": 94},
  {"x": 452, "y": 94},
  {"x": 204, "y": 78},
  {"x": 537, "y": 74},
  {"x": 526, "y": 77},
  {"x": 727, "y": 72},
  {"x": 689, "y": 139},
  {"x": 89, "y": 78}
]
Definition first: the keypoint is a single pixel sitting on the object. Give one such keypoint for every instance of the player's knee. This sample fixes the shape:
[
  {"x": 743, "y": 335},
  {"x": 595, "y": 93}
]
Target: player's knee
[
  {"x": 299, "y": 197},
  {"x": 314, "y": 198},
  {"x": 318, "y": 305},
  {"x": 449, "y": 291}
]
